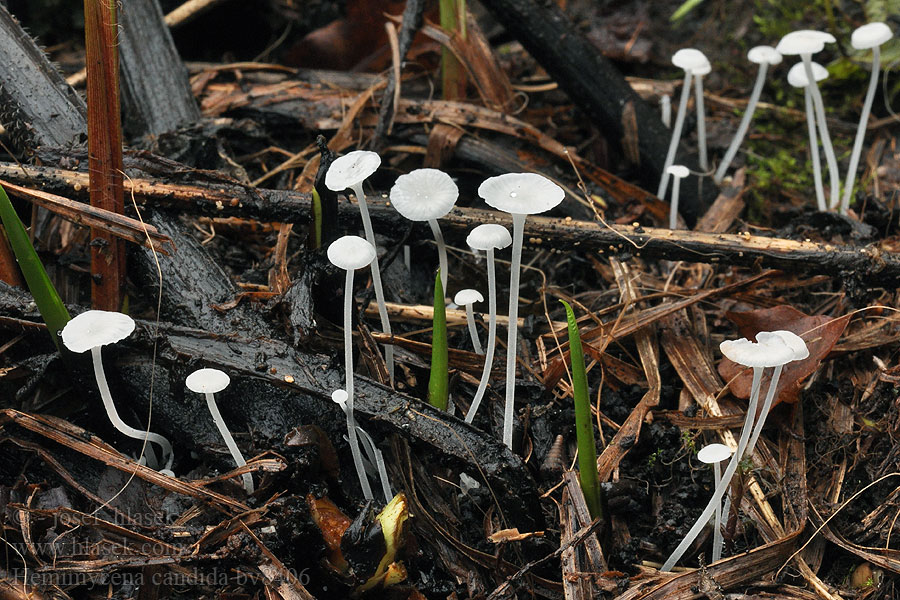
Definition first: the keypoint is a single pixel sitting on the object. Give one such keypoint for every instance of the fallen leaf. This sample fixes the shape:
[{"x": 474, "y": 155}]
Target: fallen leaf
[
  {"x": 819, "y": 332},
  {"x": 332, "y": 523}
]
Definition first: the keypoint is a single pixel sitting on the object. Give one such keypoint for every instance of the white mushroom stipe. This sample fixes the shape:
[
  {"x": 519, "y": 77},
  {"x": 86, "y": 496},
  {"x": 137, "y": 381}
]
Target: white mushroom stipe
[
  {"x": 376, "y": 457},
  {"x": 714, "y": 454},
  {"x": 427, "y": 195},
  {"x": 678, "y": 172},
  {"x": 350, "y": 253},
  {"x": 797, "y": 78},
  {"x": 519, "y": 194},
  {"x": 763, "y": 56},
  {"x": 701, "y": 117},
  {"x": 467, "y": 298},
  {"x": 488, "y": 237},
  {"x": 349, "y": 171},
  {"x": 870, "y": 35},
  {"x": 665, "y": 107},
  {"x": 91, "y": 330},
  {"x": 209, "y": 382}
]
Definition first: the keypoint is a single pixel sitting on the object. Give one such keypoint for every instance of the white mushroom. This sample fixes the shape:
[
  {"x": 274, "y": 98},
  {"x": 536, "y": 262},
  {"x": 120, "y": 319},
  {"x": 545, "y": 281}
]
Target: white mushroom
[
  {"x": 427, "y": 195},
  {"x": 870, "y": 35},
  {"x": 376, "y": 458},
  {"x": 763, "y": 56},
  {"x": 714, "y": 454},
  {"x": 488, "y": 237},
  {"x": 797, "y": 78},
  {"x": 350, "y": 253},
  {"x": 693, "y": 62},
  {"x": 467, "y": 298},
  {"x": 520, "y": 194},
  {"x": 349, "y": 171},
  {"x": 91, "y": 330},
  {"x": 805, "y": 43},
  {"x": 208, "y": 382},
  {"x": 678, "y": 172}
]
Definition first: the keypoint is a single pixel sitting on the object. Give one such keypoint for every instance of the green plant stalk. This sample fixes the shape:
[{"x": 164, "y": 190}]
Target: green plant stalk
[
  {"x": 438, "y": 381},
  {"x": 584, "y": 427},
  {"x": 317, "y": 218},
  {"x": 45, "y": 296},
  {"x": 453, "y": 20}
]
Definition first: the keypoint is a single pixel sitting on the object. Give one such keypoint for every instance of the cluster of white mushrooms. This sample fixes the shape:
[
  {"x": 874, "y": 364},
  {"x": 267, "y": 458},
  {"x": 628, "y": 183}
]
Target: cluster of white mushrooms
[{"x": 805, "y": 74}]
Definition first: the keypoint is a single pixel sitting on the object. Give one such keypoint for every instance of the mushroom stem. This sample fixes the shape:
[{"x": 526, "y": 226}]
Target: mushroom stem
[
  {"x": 348, "y": 370},
  {"x": 767, "y": 405},
  {"x": 491, "y": 341},
  {"x": 673, "y": 204},
  {"x": 229, "y": 440},
  {"x": 701, "y": 123},
  {"x": 376, "y": 281},
  {"x": 511, "y": 339},
  {"x": 676, "y": 135},
  {"x": 744, "y": 125},
  {"x": 823, "y": 132},
  {"x": 861, "y": 131},
  {"x": 717, "y": 532},
  {"x": 814, "y": 150},
  {"x": 665, "y": 105},
  {"x": 119, "y": 424},
  {"x": 716, "y": 499},
  {"x": 470, "y": 319},
  {"x": 442, "y": 250}
]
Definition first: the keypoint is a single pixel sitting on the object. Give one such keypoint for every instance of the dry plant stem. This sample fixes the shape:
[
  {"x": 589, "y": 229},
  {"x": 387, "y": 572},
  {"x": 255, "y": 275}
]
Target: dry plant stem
[
  {"x": 229, "y": 440},
  {"x": 348, "y": 370},
  {"x": 442, "y": 251},
  {"x": 673, "y": 203},
  {"x": 814, "y": 150},
  {"x": 861, "y": 131},
  {"x": 470, "y": 319},
  {"x": 676, "y": 135},
  {"x": 834, "y": 175},
  {"x": 121, "y": 426},
  {"x": 767, "y": 404},
  {"x": 701, "y": 123},
  {"x": 512, "y": 331},
  {"x": 376, "y": 282},
  {"x": 717, "y": 532},
  {"x": 744, "y": 125},
  {"x": 491, "y": 342},
  {"x": 716, "y": 499}
]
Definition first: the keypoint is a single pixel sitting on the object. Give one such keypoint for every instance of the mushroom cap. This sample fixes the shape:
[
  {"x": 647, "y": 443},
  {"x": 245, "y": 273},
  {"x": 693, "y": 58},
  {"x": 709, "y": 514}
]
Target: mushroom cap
[
  {"x": 679, "y": 171},
  {"x": 521, "y": 193},
  {"x": 424, "y": 194},
  {"x": 350, "y": 169},
  {"x": 467, "y": 296},
  {"x": 94, "y": 328},
  {"x": 340, "y": 398},
  {"x": 770, "y": 351},
  {"x": 804, "y": 41},
  {"x": 764, "y": 54},
  {"x": 692, "y": 60},
  {"x": 794, "y": 341},
  {"x": 797, "y": 75},
  {"x": 714, "y": 453},
  {"x": 489, "y": 236},
  {"x": 870, "y": 35},
  {"x": 351, "y": 252},
  {"x": 207, "y": 381}
]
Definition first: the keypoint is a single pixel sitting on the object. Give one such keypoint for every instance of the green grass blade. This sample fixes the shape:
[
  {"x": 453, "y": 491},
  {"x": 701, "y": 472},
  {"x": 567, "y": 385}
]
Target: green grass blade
[
  {"x": 584, "y": 426},
  {"x": 438, "y": 381},
  {"x": 45, "y": 296}
]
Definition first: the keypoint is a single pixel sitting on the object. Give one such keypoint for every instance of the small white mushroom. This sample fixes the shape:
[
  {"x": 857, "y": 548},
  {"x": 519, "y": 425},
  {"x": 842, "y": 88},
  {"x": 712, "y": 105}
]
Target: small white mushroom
[
  {"x": 350, "y": 253},
  {"x": 694, "y": 63},
  {"x": 678, "y": 172},
  {"x": 714, "y": 454},
  {"x": 91, "y": 330},
  {"x": 520, "y": 194},
  {"x": 870, "y": 35},
  {"x": 488, "y": 237},
  {"x": 427, "y": 195},
  {"x": 797, "y": 78},
  {"x": 467, "y": 298},
  {"x": 209, "y": 382},
  {"x": 763, "y": 56},
  {"x": 805, "y": 43},
  {"x": 349, "y": 171}
]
